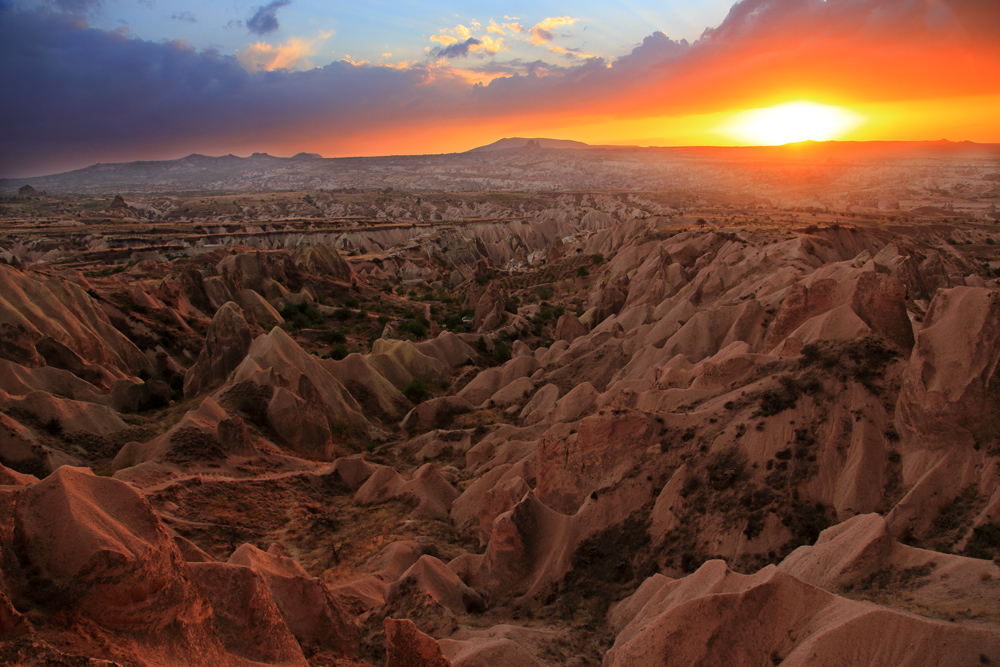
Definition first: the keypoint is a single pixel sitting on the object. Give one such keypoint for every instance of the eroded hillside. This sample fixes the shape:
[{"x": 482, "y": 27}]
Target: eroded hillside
[{"x": 519, "y": 429}]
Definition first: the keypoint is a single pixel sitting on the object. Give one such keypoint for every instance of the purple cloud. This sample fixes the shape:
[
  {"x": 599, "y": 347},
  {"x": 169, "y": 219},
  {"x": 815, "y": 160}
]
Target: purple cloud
[{"x": 265, "y": 19}]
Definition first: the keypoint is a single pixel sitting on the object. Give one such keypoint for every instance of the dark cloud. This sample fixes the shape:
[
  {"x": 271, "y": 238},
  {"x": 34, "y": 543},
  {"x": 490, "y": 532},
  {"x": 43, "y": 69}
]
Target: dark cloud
[
  {"x": 459, "y": 50},
  {"x": 185, "y": 17},
  {"x": 265, "y": 19},
  {"x": 76, "y": 6}
]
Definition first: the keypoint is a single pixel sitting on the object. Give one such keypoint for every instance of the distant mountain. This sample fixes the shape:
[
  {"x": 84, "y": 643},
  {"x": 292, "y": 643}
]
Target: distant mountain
[
  {"x": 508, "y": 164},
  {"x": 513, "y": 143}
]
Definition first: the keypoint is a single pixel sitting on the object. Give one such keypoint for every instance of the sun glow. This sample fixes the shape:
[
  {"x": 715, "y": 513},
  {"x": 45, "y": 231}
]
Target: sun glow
[{"x": 787, "y": 123}]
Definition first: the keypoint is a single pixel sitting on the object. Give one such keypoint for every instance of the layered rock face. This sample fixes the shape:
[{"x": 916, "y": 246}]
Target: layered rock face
[{"x": 616, "y": 439}]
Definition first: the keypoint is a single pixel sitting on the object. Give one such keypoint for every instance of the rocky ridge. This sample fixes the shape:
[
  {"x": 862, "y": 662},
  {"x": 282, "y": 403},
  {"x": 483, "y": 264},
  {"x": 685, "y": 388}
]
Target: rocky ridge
[{"x": 593, "y": 439}]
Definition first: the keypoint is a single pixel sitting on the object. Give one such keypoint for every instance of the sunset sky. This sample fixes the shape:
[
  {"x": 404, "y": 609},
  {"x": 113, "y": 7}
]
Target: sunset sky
[{"x": 88, "y": 81}]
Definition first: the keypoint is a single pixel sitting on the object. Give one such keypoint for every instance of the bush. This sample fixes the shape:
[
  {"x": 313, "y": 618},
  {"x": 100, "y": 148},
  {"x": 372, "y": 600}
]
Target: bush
[
  {"x": 483, "y": 279},
  {"x": 336, "y": 338},
  {"x": 582, "y": 272},
  {"x": 337, "y": 352},
  {"x": 416, "y": 327},
  {"x": 176, "y": 384},
  {"x": 301, "y": 316},
  {"x": 545, "y": 293},
  {"x": 53, "y": 426},
  {"x": 501, "y": 352},
  {"x": 726, "y": 468},
  {"x": 417, "y": 391},
  {"x": 597, "y": 258}
]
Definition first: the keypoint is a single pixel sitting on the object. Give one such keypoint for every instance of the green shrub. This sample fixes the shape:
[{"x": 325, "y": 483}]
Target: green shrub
[
  {"x": 176, "y": 382},
  {"x": 301, "y": 316},
  {"x": 417, "y": 391},
  {"x": 53, "y": 426},
  {"x": 337, "y": 352},
  {"x": 582, "y": 272},
  {"x": 336, "y": 338},
  {"x": 416, "y": 327},
  {"x": 501, "y": 352}
]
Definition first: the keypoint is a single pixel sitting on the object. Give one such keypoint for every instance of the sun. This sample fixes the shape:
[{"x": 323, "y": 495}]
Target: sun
[{"x": 787, "y": 123}]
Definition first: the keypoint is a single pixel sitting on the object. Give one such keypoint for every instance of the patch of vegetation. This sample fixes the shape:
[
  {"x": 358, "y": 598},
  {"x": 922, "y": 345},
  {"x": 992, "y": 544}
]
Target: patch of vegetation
[
  {"x": 786, "y": 395},
  {"x": 176, "y": 383},
  {"x": 53, "y": 426},
  {"x": 609, "y": 565},
  {"x": 337, "y": 352},
  {"x": 417, "y": 391},
  {"x": 501, "y": 353},
  {"x": 953, "y": 518},
  {"x": 806, "y": 521},
  {"x": 415, "y": 328},
  {"x": 582, "y": 272},
  {"x": 191, "y": 444},
  {"x": 865, "y": 360},
  {"x": 985, "y": 542},
  {"x": 301, "y": 316},
  {"x": 251, "y": 399},
  {"x": 726, "y": 468}
]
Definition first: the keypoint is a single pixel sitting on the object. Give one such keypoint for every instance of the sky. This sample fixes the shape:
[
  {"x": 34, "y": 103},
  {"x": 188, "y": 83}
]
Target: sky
[{"x": 88, "y": 81}]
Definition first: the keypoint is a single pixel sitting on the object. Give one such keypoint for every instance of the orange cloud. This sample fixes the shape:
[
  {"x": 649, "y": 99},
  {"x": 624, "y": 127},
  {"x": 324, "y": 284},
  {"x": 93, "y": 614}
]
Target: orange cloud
[
  {"x": 488, "y": 44},
  {"x": 444, "y": 40},
  {"x": 542, "y": 32},
  {"x": 294, "y": 53},
  {"x": 570, "y": 52}
]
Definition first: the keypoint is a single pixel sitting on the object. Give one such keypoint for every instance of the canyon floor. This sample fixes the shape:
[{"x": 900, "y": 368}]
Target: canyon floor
[{"x": 603, "y": 427}]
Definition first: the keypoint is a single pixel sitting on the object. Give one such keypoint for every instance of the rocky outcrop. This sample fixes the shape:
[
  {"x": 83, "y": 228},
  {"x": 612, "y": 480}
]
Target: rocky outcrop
[
  {"x": 406, "y": 646},
  {"x": 491, "y": 309},
  {"x": 308, "y": 608},
  {"x": 226, "y": 344},
  {"x": 40, "y": 306},
  {"x": 772, "y": 616},
  {"x": 951, "y": 388}
]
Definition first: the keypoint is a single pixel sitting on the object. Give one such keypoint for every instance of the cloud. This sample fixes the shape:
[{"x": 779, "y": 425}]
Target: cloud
[
  {"x": 265, "y": 19},
  {"x": 185, "y": 17},
  {"x": 489, "y": 45},
  {"x": 262, "y": 56},
  {"x": 542, "y": 32},
  {"x": 73, "y": 6},
  {"x": 164, "y": 100},
  {"x": 459, "y": 50},
  {"x": 501, "y": 29},
  {"x": 444, "y": 40},
  {"x": 573, "y": 53}
]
